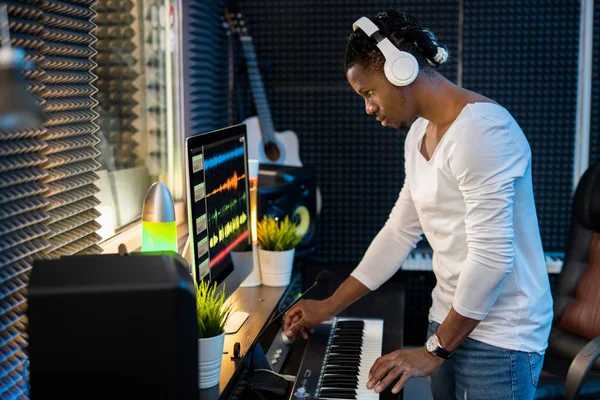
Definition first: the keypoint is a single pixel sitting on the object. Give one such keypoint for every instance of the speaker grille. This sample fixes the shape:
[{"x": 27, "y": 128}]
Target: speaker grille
[{"x": 46, "y": 174}]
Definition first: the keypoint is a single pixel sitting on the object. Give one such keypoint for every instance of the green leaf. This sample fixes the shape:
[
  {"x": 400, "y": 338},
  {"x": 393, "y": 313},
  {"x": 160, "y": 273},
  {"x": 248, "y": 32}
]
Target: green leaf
[
  {"x": 274, "y": 235},
  {"x": 210, "y": 310}
]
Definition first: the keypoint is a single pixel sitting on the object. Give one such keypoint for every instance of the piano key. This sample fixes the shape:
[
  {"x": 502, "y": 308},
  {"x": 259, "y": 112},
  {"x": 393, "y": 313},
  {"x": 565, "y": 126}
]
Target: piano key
[
  {"x": 337, "y": 396},
  {"x": 348, "y": 348},
  {"x": 339, "y": 385},
  {"x": 421, "y": 260},
  {"x": 350, "y": 373},
  {"x": 328, "y": 380},
  {"x": 371, "y": 338},
  {"x": 337, "y": 392},
  {"x": 374, "y": 337}
]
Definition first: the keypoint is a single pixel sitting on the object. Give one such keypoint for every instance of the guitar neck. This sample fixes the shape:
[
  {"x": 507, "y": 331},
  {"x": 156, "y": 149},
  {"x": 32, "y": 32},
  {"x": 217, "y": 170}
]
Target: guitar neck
[{"x": 258, "y": 90}]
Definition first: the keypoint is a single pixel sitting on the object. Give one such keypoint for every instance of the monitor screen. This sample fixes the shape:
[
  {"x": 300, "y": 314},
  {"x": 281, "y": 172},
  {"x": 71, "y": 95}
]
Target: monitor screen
[{"x": 218, "y": 200}]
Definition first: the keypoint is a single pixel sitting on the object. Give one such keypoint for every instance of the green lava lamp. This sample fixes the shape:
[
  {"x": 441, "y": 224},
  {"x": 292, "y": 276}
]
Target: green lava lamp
[{"x": 159, "y": 228}]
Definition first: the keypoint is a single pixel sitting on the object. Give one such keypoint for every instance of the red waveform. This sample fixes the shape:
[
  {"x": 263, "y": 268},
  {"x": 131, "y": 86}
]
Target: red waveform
[
  {"x": 230, "y": 184},
  {"x": 226, "y": 251}
]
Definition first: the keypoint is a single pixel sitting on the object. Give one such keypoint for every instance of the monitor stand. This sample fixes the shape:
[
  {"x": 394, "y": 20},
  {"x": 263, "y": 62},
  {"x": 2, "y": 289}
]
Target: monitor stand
[{"x": 235, "y": 322}]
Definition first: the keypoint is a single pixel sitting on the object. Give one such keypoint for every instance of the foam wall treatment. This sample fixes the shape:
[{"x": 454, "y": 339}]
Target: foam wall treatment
[{"x": 46, "y": 173}]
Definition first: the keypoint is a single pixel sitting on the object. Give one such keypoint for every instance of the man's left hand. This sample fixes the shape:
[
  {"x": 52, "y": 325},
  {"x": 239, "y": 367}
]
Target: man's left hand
[{"x": 403, "y": 364}]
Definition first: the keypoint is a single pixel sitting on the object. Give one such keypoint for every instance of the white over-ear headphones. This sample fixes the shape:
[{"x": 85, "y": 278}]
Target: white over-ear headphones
[{"x": 401, "y": 68}]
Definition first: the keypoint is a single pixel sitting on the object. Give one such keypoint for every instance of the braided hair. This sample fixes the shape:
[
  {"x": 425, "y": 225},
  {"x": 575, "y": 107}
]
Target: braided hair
[{"x": 405, "y": 32}]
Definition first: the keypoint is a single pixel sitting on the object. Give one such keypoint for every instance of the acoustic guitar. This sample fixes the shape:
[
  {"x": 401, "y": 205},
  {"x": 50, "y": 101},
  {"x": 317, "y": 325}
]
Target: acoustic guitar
[{"x": 264, "y": 143}]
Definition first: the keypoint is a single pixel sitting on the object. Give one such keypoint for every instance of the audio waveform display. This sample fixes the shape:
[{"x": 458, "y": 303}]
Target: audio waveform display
[
  {"x": 230, "y": 184},
  {"x": 225, "y": 231},
  {"x": 218, "y": 190},
  {"x": 226, "y": 203},
  {"x": 233, "y": 207},
  {"x": 221, "y": 255},
  {"x": 222, "y": 158}
]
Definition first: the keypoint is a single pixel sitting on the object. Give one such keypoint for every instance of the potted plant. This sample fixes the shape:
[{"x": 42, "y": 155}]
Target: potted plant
[
  {"x": 212, "y": 314},
  {"x": 277, "y": 241}
]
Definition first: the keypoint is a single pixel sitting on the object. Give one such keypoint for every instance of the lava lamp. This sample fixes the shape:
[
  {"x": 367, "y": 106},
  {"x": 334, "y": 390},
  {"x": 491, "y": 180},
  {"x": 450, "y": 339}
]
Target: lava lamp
[{"x": 159, "y": 228}]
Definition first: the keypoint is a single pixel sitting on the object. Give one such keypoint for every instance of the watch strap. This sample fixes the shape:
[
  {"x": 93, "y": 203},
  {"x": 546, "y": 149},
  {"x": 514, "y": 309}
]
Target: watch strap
[{"x": 443, "y": 353}]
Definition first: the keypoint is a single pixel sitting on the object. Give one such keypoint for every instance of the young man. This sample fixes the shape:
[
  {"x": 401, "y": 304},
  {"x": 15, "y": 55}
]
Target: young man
[{"x": 468, "y": 188}]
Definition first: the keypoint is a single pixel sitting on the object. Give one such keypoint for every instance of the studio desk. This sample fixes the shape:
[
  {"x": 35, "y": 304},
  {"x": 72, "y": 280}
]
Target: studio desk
[{"x": 263, "y": 302}]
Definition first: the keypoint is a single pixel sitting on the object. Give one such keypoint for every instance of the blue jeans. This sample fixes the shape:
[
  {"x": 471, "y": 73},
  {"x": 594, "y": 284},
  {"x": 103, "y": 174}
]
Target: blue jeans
[{"x": 478, "y": 371}]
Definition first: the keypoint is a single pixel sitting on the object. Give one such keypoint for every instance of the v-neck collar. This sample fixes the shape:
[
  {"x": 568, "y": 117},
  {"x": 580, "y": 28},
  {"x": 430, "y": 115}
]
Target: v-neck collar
[{"x": 420, "y": 141}]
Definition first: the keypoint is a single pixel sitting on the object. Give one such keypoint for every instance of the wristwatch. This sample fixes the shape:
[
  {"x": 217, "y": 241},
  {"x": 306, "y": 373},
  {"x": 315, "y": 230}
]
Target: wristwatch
[{"x": 433, "y": 346}]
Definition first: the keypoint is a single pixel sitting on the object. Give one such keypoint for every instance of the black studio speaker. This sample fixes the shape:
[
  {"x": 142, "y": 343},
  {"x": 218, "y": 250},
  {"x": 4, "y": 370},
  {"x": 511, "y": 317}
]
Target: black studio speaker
[
  {"x": 290, "y": 191},
  {"x": 113, "y": 327}
]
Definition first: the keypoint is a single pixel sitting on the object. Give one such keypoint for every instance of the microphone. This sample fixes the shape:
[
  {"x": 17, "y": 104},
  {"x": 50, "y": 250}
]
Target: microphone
[{"x": 322, "y": 278}]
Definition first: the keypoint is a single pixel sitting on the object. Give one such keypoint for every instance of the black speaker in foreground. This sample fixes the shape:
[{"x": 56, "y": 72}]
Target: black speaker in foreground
[{"x": 113, "y": 327}]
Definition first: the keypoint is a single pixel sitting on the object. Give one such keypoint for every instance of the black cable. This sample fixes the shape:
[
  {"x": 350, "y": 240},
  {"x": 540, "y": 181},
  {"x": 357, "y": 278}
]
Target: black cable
[{"x": 255, "y": 391}]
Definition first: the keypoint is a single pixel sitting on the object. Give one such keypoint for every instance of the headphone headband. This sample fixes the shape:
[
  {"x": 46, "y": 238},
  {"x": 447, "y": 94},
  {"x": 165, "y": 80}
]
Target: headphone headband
[
  {"x": 366, "y": 25},
  {"x": 401, "y": 68}
]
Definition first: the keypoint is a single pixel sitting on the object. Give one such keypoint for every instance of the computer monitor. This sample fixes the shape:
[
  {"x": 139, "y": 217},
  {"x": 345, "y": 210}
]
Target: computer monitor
[{"x": 218, "y": 204}]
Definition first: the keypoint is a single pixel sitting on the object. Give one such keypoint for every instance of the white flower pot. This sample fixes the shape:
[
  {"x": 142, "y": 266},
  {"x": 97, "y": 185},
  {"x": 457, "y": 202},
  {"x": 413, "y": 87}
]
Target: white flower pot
[
  {"x": 210, "y": 355},
  {"x": 276, "y": 267},
  {"x": 247, "y": 260}
]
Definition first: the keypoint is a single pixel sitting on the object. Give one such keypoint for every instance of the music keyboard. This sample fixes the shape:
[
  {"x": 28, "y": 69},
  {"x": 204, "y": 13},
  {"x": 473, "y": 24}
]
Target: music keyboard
[
  {"x": 338, "y": 358},
  {"x": 422, "y": 261}
]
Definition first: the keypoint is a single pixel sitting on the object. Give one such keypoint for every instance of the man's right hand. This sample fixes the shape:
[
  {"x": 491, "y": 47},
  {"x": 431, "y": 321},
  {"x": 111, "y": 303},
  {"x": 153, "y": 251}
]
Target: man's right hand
[{"x": 304, "y": 315}]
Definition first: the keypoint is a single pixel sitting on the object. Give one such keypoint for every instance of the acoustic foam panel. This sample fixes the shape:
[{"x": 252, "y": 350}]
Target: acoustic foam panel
[
  {"x": 204, "y": 65},
  {"x": 67, "y": 32},
  {"x": 46, "y": 174},
  {"x": 115, "y": 73},
  {"x": 22, "y": 214},
  {"x": 526, "y": 58}
]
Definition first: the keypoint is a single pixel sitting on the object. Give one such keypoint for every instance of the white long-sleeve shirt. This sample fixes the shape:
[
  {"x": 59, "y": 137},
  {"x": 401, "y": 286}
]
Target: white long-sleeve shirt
[{"x": 474, "y": 202}]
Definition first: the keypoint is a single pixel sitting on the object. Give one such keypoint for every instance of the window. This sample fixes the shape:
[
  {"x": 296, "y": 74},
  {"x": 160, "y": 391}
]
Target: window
[{"x": 136, "y": 107}]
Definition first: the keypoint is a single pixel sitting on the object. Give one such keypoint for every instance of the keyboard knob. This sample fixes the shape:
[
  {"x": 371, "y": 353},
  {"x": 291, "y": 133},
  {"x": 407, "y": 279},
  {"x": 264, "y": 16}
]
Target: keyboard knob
[
  {"x": 301, "y": 393},
  {"x": 285, "y": 339}
]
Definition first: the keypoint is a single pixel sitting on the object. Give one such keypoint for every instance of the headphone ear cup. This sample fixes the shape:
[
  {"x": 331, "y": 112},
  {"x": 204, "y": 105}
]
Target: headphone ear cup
[{"x": 402, "y": 69}]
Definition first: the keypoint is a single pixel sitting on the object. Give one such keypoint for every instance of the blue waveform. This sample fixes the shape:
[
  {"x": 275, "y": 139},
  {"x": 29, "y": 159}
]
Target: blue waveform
[{"x": 222, "y": 158}]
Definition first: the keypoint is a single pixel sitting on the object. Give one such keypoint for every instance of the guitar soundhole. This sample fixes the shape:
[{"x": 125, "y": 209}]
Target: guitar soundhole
[{"x": 272, "y": 151}]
